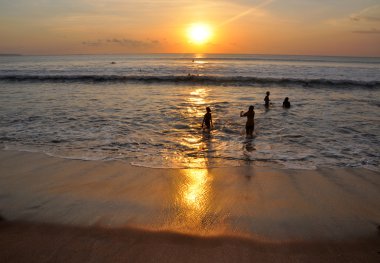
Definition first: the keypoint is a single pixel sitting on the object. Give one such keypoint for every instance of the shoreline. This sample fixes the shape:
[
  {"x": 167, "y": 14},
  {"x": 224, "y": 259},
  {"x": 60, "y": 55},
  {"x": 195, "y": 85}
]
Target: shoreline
[{"x": 254, "y": 163}]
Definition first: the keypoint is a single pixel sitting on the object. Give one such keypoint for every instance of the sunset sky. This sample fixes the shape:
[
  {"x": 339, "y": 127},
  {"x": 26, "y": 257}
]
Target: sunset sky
[{"x": 315, "y": 27}]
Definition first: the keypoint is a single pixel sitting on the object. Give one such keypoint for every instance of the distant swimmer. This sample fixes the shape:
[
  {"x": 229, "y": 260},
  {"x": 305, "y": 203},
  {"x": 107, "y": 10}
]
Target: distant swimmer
[
  {"x": 286, "y": 103},
  {"x": 113, "y": 62},
  {"x": 267, "y": 100},
  {"x": 207, "y": 119},
  {"x": 250, "y": 125}
]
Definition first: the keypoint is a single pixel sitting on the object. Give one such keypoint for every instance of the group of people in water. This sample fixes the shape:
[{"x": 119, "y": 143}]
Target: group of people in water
[
  {"x": 285, "y": 104},
  {"x": 250, "y": 114}
]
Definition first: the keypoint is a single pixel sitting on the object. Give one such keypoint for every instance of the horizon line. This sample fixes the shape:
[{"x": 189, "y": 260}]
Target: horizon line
[{"x": 186, "y": 53}]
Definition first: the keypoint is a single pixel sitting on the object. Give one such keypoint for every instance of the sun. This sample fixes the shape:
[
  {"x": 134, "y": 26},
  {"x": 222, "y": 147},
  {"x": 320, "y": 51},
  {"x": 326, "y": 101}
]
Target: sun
[{"x": 199, "y": 33}]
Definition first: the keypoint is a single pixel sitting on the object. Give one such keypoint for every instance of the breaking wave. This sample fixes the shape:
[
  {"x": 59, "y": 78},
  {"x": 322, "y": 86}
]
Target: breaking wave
[{"x": 193, "y": 79}]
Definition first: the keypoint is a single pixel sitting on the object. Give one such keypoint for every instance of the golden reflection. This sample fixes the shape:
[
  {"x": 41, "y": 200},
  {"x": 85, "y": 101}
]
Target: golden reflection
[
  {"x": 193, "y": 199},
  {"x": 194, "y": 192},
  {"x": 199, "y": 92},
  {"x": 197, "y": 99},
  {"x": 194, "y": 141},
  {"x": 200, "y": 62},
  {"x": 199, "y": 55}
]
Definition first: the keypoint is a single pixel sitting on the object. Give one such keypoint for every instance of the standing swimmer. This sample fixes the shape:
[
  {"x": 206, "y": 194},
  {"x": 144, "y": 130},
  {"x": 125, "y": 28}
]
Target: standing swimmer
[
  {"x": 250, "y": 125},
  {"x": 267, "y": 100},
  {"x": 207, "y": 119}
]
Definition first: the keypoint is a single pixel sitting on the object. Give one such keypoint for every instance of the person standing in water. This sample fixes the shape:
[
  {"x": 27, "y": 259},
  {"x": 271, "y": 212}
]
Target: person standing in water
[
  {"x": 207, "y": 119},
  {"x": 267, "y": 100},
  {"x": 250, "y": 125},
  {"x": 286, "y": 103}
]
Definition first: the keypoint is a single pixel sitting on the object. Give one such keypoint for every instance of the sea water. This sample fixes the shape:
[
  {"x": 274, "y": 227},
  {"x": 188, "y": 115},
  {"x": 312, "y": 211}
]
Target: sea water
[{"x": 147, "y": 109}]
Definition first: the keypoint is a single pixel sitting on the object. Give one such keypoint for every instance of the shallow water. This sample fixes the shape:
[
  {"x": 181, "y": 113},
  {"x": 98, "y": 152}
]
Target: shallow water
[
  {"x": 147, "y": 109},
  {"x": 158, "y": 125}
]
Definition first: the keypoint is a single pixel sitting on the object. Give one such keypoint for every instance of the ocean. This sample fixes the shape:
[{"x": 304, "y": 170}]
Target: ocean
[{"x": 147, "y": 110}]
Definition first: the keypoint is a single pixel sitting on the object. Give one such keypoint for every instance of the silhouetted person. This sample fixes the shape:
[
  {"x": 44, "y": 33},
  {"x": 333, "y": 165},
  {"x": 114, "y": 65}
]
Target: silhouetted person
[
  {"x": 207, "y": 119},
  {"x": 267, "y": 100},
  {"x": 250, "y": 125},
  {"x": 286, "y": 103}
]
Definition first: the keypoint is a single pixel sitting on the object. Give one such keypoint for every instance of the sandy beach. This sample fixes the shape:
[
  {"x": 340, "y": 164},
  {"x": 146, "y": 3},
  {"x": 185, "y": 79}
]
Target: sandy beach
[{"x": 60, "y": 210}]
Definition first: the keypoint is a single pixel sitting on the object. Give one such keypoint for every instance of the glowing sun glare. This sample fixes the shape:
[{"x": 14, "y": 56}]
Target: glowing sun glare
[{"x": 199, "y": 33}]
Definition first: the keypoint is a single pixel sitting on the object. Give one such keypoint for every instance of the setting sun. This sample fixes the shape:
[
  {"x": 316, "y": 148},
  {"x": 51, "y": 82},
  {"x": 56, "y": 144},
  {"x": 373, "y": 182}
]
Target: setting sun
[{"x": 199, "y": 33}]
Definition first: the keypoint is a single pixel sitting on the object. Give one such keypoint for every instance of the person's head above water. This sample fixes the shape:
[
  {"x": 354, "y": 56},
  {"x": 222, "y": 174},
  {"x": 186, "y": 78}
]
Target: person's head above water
[
  {"x": 268, "y": 93},
  {"x": 251, "y": 108},
  {"x": 208, "y": 109},
  {"x": 286, "y": 99}
]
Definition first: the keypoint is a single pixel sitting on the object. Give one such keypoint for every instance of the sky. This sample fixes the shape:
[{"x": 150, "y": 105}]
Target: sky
[{"x": 300, "y": 27}]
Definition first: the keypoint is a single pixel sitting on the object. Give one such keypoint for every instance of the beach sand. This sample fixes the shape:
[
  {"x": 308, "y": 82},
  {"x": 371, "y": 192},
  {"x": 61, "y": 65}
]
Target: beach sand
[
  {"x": 27, "y": 242},
  {"x": 60, "y": 210}
]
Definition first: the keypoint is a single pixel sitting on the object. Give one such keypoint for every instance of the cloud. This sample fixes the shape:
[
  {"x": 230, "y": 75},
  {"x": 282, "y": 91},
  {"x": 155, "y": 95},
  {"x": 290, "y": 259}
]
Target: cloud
[
  {"x": 370, "y": 14},
  {"x": 253, "y": 9},
  {"x": 133, "y": 43},
  {"x": 364, "y": 21},
  {"x": 93, "y": 43},
  {"x": 372, "y": 31}
]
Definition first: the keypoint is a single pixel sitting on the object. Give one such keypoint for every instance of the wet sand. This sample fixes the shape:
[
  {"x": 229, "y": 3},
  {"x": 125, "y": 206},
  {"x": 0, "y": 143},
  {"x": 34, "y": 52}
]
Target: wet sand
[{"x": 95, "y": 211}]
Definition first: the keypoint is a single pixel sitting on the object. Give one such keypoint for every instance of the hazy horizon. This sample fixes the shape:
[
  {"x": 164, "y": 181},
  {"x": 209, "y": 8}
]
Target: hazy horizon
[{"x": 194, "y": 54}]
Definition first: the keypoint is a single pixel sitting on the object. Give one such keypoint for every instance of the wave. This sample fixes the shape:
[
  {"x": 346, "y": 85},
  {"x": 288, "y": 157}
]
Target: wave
[{"x": 193, "y": 79}]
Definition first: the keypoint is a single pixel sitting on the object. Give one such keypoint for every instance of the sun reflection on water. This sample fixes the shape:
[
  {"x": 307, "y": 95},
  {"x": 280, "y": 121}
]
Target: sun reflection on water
[
  {"x": 193, "y": 198},
  {"x": 196, "y": 100},
  {"x": 194, "y": 191},
  {"x": 193, "y": 140}
]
